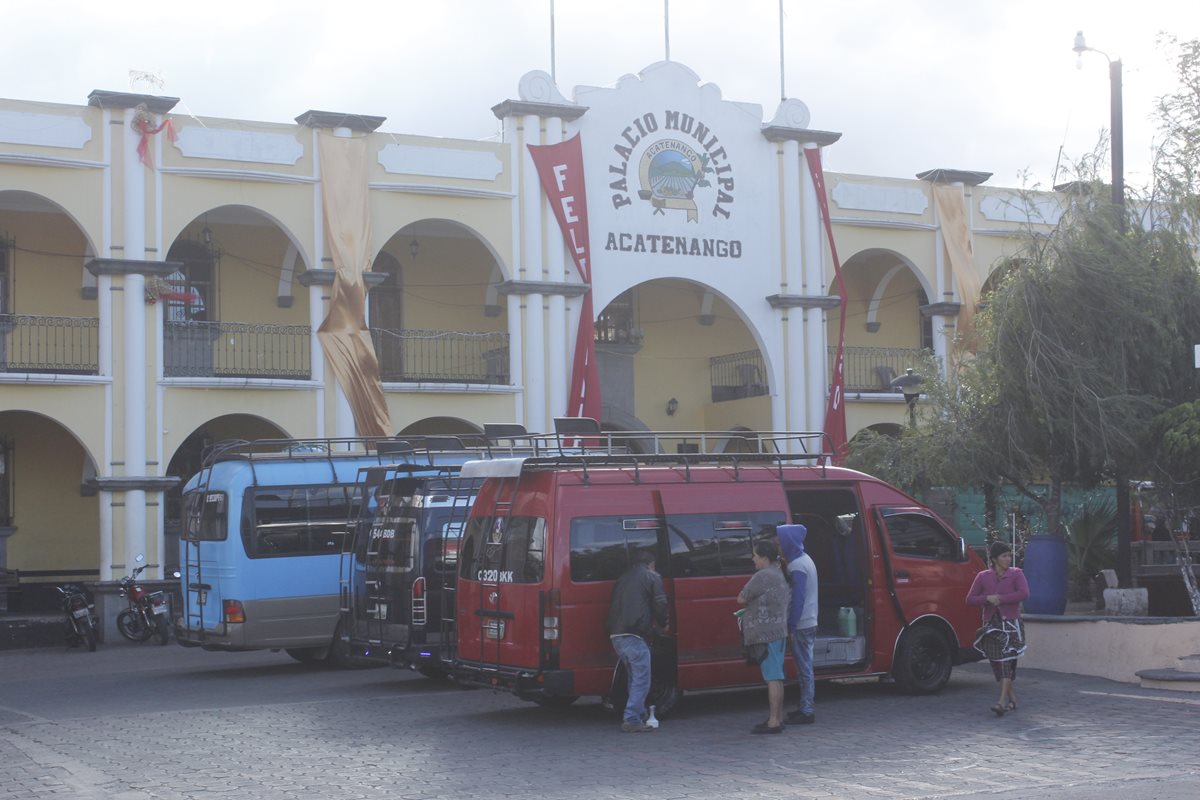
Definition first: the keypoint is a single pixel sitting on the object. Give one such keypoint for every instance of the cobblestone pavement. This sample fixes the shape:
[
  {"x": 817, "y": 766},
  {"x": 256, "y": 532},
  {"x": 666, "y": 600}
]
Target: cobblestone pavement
[{"x": 169, "y": 723}]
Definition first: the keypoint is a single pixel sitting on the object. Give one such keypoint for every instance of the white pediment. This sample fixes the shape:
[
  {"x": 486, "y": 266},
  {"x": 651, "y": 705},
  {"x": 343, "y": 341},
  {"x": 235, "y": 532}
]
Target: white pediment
[
  {"x": 876, "y": 197},
  {"x": 45, "y": 130},
  {"x": 257, "y": 147},
  {"x": 440, "y": 162}
]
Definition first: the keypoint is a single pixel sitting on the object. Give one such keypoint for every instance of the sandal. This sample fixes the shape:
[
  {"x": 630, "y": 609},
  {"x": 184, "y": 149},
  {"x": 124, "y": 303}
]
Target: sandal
[
  {"x": 1012, "y": 706},
  {"x": 999, "y": 710}
]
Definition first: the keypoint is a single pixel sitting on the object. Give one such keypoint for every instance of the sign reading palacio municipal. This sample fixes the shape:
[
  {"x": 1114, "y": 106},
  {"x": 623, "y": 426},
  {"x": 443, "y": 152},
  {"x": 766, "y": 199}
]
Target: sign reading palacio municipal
[{"x": 665, "y": 158}]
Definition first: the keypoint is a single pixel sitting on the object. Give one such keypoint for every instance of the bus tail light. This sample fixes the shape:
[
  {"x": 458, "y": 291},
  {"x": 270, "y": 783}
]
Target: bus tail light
[
  {"x": 234, "y": 611},
  {"x": 418, "y": 601}
]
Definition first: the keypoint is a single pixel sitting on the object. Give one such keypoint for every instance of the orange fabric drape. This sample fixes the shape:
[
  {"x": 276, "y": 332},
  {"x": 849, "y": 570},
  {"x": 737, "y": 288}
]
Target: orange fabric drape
[
  {"x": 344, "y": 335},
  {"x": 951, "y": 206}
]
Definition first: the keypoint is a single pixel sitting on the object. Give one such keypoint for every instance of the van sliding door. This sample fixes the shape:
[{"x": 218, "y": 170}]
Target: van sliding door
[{"x": 712, "y": 530}]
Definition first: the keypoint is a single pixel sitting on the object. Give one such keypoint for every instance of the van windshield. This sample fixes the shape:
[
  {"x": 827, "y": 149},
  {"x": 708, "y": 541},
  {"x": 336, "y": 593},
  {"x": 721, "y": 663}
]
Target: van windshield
[{"x": 503, "y": 549}]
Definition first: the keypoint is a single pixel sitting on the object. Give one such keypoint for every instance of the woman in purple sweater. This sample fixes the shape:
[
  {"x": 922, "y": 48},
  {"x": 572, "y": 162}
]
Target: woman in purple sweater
[{"x": 1001, "y": 638}]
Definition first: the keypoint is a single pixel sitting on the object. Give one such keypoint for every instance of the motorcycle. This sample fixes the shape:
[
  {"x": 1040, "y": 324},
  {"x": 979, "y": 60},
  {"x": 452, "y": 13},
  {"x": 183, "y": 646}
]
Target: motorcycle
[
  {"x": 82, "y": 626},
  {"x": 147, "y": 614}
]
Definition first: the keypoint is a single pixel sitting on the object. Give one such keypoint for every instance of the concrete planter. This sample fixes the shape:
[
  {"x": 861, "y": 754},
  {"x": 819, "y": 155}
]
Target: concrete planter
[{"x": 1108, "y": 647}]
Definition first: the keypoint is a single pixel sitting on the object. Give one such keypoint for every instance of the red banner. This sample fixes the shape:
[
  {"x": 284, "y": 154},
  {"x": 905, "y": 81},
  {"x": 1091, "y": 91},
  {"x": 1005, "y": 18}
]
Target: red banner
[
  {"x": 560, "y": 168},
  {"x": 835, "y": 409}
]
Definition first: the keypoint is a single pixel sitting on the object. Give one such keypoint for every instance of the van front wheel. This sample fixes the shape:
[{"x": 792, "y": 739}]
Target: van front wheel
[{"x": 923, "y": 661}]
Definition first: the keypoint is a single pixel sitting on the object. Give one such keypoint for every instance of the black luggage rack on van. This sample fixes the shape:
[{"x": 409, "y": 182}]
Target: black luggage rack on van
[
  {"x": 418, "y": 451},
  {"x": 579, "y": 443}
]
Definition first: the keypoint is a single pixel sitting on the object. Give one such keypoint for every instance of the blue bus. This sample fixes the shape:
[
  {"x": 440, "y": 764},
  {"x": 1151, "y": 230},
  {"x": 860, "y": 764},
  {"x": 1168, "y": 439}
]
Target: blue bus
[{"x": 265, "y": 525}]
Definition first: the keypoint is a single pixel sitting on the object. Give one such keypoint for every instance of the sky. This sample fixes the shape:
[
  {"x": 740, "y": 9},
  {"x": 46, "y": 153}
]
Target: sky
[{"x": 910, "y": 84}]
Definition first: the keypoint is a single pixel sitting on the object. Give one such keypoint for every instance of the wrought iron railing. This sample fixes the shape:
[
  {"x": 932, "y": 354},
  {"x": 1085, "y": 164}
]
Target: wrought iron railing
[
  {"x": 441, "y": 356},
  {"x": 66, "y": 345},
  {"x": 236, "y": 350},
  {"x": 872, "y": 369},
  {"x": 737, "y": 375}
]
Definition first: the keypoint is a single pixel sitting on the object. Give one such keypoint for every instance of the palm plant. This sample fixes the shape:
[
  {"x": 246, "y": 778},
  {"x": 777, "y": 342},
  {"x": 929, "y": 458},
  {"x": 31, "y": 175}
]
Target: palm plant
[{"x": 1091, "y": 543}]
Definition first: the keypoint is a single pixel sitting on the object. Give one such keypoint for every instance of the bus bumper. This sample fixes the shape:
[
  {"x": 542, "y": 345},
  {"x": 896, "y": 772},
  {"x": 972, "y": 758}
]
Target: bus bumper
[{"x": 525, "y": 684}]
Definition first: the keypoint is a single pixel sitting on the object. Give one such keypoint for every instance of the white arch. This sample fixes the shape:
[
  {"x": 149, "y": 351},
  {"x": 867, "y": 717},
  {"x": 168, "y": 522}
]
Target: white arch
[
  {"x": 498, "y": 261},
  {"x": 219, "y": 212}
]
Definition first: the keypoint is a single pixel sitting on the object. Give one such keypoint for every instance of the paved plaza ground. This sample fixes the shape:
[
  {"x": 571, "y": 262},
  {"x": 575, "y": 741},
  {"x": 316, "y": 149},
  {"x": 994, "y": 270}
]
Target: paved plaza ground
[{"x": 143, "y": 721}]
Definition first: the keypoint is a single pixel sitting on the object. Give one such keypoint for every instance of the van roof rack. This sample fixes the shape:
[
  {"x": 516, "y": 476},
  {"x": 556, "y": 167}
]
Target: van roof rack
[{"x": 578, "y": 443}]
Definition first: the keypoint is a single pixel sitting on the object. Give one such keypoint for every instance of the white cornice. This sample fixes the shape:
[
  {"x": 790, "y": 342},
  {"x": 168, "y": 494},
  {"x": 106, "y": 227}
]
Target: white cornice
[
  {"x": 47, "y": 378},
  {"x": 448, "y": 191},
  {"x": 863, "y": 222},
  {"x": 237, "y": 175},
  {"x": 50, "y": 161},
  {"x": 243, "y": 383}
]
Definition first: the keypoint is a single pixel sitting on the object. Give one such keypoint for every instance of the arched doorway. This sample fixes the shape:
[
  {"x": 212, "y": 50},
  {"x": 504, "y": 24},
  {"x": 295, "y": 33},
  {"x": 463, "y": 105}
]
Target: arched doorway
[
  {"x": 188, "y": 459},
  {"x": 676, "y": 355},
  {"x": 468, "y": 433},
  {"x": 49, "y": 508}
]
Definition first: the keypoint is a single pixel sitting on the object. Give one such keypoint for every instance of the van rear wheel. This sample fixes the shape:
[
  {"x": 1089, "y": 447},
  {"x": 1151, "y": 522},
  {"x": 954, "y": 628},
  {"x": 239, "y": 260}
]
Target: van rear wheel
[
  {"x": 308, "y": 655},
  {"x": 923, "y": 661}
]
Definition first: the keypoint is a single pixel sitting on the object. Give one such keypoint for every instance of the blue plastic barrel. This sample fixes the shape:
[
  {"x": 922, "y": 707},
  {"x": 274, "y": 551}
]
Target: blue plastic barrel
[{"x": 1045, "y": 566}]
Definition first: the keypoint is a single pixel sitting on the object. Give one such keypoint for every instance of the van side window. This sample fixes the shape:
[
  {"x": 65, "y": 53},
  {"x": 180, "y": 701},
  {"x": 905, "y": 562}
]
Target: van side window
[
  {"x": 294, "y": 520},
  {"x": 918, "y": 536},
  {"x": 504, "y": 549},
  {"x": 706, "y": 545},
  {"x": 602, "y": 548}
]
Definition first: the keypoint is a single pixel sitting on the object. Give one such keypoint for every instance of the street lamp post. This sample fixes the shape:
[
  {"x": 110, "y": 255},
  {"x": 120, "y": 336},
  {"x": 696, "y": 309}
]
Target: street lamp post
[
  {"x": 1117, "y": 135},
  {"x": 1117, "y": 132}
]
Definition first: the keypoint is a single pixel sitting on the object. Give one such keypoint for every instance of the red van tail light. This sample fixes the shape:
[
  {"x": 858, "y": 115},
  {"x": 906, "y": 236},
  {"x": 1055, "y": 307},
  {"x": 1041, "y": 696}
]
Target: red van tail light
[
  {"x": 550, "y": 617},
  {"x": 234, "y": 611}
]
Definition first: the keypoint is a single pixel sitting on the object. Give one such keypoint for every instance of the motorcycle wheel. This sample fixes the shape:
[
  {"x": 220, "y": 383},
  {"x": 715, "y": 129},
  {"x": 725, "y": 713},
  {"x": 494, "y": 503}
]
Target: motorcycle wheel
[
  {"x": 164, "y": 631},
  {"x": 130, "y": 624},
  {"x": 88, "y": 635}
]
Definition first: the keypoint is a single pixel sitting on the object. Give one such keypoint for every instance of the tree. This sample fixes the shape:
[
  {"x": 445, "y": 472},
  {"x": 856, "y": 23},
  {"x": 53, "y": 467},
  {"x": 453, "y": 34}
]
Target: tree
[
  {"x": 1081, "y": 346},
  {"x": 1177, "y": 483}
]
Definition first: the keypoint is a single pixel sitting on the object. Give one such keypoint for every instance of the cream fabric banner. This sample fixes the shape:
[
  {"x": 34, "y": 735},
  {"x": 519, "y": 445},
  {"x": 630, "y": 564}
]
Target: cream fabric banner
[
  {"x": 951, "y": 206},
  {"x": 343, "y": 335}
]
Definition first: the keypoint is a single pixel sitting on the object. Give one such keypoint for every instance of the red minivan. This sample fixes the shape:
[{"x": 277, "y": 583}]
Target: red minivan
[{"x": 547, "y": 537}]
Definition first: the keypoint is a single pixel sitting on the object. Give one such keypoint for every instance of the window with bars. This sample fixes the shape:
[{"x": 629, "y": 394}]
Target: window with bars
[
  {"x": 193, "y": 285},
  {"x": 618, "y": 323}
]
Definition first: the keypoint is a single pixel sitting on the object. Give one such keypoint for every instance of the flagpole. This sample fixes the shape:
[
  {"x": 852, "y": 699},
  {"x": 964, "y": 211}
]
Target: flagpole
[
  {"x": 667, "y": 27},
  {"x": 782, "y": 91},
  {"x": 553, "y": 77}
]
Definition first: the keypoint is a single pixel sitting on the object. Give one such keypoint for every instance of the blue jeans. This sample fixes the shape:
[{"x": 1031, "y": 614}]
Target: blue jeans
[
  {"x": 802, "y": 651},
  {"x": 634, "y": 651}
]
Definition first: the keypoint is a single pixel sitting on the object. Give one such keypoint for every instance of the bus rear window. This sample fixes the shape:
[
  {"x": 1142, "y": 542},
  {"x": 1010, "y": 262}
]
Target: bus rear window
[
  {"x": 295, "y": 520},
  {"x": 204, "y": 515},
  {"x": 503, "y": 550}
]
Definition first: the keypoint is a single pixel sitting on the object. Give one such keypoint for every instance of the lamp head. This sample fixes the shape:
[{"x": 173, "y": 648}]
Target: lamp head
[
  {"x": 672, "y": 407},
  {"x": 1080, "y": 44}
]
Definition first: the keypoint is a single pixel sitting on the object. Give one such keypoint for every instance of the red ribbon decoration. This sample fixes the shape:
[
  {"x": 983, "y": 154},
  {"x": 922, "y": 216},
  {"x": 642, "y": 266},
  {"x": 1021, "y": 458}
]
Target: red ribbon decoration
[{"x": 142, "y": 124}]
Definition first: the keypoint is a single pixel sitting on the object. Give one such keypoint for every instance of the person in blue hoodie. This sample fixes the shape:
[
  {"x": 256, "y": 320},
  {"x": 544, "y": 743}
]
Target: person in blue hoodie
[{"x": 802, "y": 616}]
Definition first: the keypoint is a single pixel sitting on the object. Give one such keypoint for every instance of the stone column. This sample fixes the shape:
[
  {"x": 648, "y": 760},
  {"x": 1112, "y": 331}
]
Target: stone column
[
  {"x": 136, "y": 317},
  {"x": 802, "y": 299},
  {"x": 539, "y": 345}
]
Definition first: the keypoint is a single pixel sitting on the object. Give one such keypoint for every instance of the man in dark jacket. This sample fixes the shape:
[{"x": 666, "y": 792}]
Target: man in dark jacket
[{"x": 638, "y": 610}]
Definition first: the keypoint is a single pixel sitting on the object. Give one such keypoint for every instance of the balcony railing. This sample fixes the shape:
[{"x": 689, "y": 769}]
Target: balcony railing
[
  {"x": 441, "y": 356},
  {"x": 737, "y": 375},
  {"x": 872, "y": 369},
  {"x": 64, "y": 345},
  {"x": 236, "y": 350}
]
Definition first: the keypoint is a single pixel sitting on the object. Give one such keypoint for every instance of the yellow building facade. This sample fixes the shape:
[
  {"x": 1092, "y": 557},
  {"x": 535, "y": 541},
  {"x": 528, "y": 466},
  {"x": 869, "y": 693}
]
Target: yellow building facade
[{"x": 161, "y": 288}]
